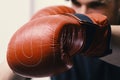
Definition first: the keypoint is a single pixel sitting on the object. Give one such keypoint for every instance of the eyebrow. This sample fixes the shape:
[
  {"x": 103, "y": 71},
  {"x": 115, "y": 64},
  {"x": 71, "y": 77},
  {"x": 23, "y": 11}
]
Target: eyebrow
[{"x": 103, "y": 1}]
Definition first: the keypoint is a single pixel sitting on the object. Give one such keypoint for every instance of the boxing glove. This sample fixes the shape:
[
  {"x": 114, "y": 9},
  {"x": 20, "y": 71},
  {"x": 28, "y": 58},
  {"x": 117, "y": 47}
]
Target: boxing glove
[
  {"x": 99, "y": 43},
  {"x": 42, "y": 47},
  {"x": 45, "y": 45}
]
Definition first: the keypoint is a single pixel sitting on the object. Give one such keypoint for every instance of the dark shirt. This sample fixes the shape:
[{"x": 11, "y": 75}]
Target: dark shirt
[{"x": 86, "y": 68}]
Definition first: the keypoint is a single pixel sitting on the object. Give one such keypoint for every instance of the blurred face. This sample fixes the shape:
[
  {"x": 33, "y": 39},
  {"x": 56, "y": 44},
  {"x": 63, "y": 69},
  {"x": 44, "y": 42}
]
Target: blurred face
[{"x": 106, "y": 7}]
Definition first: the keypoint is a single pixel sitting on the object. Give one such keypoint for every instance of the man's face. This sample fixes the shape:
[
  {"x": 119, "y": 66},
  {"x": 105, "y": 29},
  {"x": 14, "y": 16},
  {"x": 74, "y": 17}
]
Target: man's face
[{"x": 106, "y": 7}]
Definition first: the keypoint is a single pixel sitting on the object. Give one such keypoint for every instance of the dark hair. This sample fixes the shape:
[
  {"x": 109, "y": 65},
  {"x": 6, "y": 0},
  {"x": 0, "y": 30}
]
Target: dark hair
[
  {"x": 73, "y": 1},
  {"x": 70, "y": 0}
]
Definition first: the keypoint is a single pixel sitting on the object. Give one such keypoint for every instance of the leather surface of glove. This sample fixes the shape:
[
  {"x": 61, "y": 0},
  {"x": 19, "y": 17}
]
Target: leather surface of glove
[{"x": 43, "y": 46}]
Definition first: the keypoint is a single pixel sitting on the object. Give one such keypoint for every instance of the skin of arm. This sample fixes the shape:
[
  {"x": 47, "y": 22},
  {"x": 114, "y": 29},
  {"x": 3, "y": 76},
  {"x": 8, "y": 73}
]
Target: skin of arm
[{"x": 116, "y": 34}]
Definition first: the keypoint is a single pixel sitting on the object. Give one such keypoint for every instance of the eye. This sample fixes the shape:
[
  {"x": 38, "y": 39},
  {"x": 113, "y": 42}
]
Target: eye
[
  {"x": 77, "y": 4},
  {"x": 96, "y": 4}
]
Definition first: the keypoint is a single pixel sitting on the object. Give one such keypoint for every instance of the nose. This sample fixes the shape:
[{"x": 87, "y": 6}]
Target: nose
[{"x": 82, "y": 9}]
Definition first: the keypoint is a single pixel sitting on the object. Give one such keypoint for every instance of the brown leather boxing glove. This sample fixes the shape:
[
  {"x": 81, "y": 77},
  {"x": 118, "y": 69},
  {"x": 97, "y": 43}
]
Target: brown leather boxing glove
[{"x": 44, "y": 46}]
